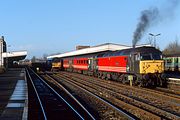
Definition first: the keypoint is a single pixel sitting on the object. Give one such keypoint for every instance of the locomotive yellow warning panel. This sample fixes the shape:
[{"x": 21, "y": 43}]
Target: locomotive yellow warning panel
[
  {"x": 56, "y": 65},
  {"x": 151, "y": 66}
]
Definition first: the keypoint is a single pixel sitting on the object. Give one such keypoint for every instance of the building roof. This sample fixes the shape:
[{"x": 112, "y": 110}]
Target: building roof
[
  {"x": 94, "y": 49},
  {"x": 14, "y": 54}
]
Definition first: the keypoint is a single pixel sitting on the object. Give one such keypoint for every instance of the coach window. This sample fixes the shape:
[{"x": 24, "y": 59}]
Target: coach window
[
  {"x": 169, "y": 60},
  {"x": 176, "y": 60}
]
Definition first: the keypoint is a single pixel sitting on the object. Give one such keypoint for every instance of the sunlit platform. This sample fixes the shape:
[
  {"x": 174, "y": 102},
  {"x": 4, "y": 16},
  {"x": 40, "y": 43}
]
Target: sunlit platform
[{"x": 13, "y": 92}]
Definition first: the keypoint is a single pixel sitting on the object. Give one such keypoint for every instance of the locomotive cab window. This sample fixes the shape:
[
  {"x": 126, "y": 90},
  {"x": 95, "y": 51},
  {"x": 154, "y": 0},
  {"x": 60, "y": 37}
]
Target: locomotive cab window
[
  {"x": 156, "y": 56},
  {"x": 145, "y": 57},
  {"x": 151, "y": 56}
]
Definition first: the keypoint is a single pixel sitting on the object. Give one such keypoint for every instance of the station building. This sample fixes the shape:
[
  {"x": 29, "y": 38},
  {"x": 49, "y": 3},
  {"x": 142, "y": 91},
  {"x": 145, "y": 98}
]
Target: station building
[{"x": 7, "y": 58}]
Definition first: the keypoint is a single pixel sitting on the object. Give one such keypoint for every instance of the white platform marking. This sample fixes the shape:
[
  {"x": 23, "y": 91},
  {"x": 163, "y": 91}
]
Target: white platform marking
[{"x": 18, "y": 95}]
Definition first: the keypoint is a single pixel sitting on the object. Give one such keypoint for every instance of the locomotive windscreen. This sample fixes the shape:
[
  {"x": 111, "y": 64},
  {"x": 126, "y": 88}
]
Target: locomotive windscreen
[{"x": 151, "y": 56}]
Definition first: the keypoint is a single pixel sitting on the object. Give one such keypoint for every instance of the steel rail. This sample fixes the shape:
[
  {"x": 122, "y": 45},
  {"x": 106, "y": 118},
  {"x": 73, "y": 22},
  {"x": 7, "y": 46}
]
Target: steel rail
[
  {"x": 42, "y": 108},
  {"x": 72, "y": 97},
  {"x": 80, "y": 116},
  {"x": 108, "y": 103}
]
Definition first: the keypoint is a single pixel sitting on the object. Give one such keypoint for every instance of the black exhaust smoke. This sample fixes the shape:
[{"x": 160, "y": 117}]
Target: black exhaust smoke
[
  {"x": 146, "y": 19},
  {"x": 151, "y": 17}
]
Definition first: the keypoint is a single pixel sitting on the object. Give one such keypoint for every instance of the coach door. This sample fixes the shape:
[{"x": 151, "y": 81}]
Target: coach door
[
  {"x": 134, "y": 62},
  {"x": 92, "y": 64},
  {"x": 176, "y": 67},
  {"x": 70, "y": 63}
]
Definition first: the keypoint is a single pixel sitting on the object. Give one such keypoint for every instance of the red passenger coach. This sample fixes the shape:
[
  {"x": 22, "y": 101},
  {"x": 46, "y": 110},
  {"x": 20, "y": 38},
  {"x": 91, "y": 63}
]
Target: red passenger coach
[
  {"x": 80, "y": 63},
  {"x": 66, "y": 63}
]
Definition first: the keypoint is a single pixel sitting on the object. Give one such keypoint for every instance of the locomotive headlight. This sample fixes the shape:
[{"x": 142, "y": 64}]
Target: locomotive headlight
[{"x": 161, "y": 57}]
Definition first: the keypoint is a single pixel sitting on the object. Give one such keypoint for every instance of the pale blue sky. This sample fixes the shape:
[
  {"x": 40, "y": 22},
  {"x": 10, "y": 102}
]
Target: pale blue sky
[{"x": 51, "y": 26}]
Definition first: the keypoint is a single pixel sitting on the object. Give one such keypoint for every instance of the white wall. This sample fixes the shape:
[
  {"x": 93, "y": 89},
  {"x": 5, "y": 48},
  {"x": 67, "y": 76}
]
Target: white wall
[{"x": 1, "y": 51}]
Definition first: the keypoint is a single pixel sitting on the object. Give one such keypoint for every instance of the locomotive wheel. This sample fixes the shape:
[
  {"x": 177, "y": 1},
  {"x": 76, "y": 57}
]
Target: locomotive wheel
[
  {"x": 104, "y": 75},
  {"x": 115, "y": 77},
  {"x": 121, "y": 77},
  {"x": 99, "y": 75},
  {"x": 108, "y": 76},
  {"x": 125, "y": 80}
]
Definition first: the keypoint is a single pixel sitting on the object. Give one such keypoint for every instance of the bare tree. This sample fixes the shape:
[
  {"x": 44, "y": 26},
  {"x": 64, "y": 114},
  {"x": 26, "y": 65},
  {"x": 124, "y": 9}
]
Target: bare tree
[
  {"x": 172, "y": 48},
  {"x": 33, "y": 59},
  {"x": 45, "y": 56}
]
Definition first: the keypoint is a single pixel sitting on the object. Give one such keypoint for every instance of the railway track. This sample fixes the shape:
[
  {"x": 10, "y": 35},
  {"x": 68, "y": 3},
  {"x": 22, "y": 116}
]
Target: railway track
[
  {"x": 169, "y": 92},
  {"x": 158, "y": 103},
  {"x": 46, "y": 103},
  {"x": 102, "y": 108},
  {"x": 174, "y": 84}
]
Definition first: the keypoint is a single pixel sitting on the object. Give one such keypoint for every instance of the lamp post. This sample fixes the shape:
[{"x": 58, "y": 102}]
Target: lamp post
[{"x": 154, "y": 35}]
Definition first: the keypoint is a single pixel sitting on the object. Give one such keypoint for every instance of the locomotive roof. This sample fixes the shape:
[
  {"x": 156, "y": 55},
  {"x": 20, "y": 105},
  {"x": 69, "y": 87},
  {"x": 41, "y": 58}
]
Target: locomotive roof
[
  {"x": 146, "y": 49},
  {"x": 143, "y": 49},
  {"x": 94, "y": 49}
]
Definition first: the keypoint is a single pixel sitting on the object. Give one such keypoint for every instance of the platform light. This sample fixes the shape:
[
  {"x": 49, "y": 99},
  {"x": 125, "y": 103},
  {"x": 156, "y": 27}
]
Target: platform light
[{"x": 154, "y": 35}]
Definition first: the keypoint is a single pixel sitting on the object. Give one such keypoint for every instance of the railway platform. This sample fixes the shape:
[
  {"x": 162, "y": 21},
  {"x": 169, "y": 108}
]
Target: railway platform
[{"x": 13, "y": 95}]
